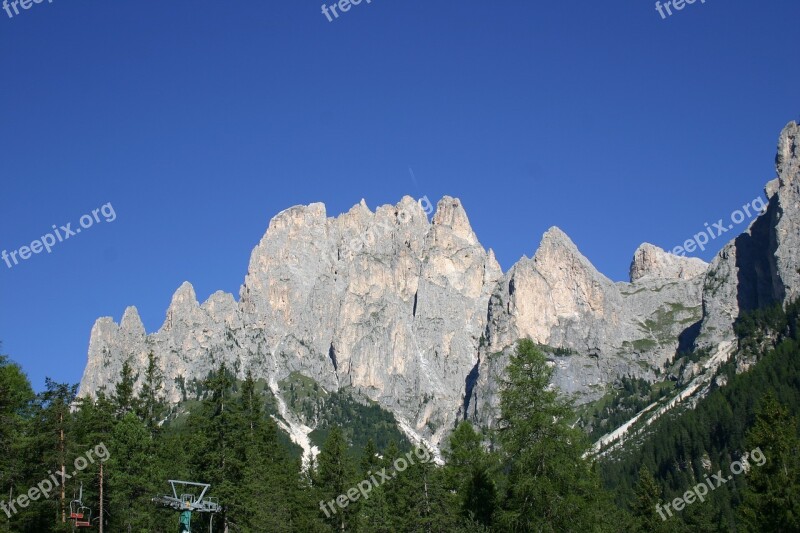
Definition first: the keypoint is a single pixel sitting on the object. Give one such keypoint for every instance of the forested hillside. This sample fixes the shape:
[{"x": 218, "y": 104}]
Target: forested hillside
[
  {"x": 532, "y": 473},
  {"x": 744, "y": 411}
]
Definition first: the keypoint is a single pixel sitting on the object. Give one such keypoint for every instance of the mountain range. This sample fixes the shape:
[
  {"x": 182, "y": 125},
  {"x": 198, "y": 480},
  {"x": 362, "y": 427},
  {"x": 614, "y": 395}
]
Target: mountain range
[{"x": 415, "y": 314}]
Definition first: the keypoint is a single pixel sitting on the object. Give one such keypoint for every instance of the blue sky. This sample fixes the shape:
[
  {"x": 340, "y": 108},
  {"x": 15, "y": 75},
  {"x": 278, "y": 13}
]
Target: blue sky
[{"x": 199, "y": 121}]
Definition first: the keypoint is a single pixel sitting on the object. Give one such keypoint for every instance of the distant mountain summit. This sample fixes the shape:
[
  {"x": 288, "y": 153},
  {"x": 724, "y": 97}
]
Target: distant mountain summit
[{"x": 418, "y": 316}]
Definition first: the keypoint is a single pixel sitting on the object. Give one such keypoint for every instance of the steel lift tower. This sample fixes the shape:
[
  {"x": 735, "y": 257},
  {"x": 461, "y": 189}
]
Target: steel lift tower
[{"x": 188, "y": 503}]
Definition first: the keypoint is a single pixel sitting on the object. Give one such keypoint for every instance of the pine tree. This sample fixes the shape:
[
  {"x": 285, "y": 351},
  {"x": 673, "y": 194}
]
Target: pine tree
[
  {"x": 267, "y": 469},
  {"x": 16, "y": 407},
  {"x": 369, "y": 459},
  {"x": 93, "y": 428},
  {"x": 51, "y": 441},
  {"x": 304, "y": 503},
  {"x": 215, "y": 445},
  {"x": 150, "y": 401},
  {"x": 467, "y": 473},
  {"x": 133, "y": 477},
  {"x": 772, "y": 500},
  {"x": 334, "y": 476},
  {"x": 124, "y": 399},
  {"x": 374, "y": 515},
  {"x": 550, "y": 485},
  {"x": 647, "y": 497}
]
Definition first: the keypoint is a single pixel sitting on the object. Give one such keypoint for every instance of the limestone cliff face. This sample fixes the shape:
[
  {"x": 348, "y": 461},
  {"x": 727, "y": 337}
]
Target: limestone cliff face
[
  {"x": 652, "y": 262},
  {"x": 418, "y": 316},
  {"x": 762, "y": 265},
  {"x": 110, "y": 345},
  {"x": 386, "y": 303},
  {"x": 785, "y": 240},
  {"x": 594, "y": 330}
]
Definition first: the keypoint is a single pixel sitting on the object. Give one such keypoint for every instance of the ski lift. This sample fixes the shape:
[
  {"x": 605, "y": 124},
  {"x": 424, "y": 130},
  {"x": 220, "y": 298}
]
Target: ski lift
[
  {"x": 85, "y": 519},
  {"x": 187, "y": 502},
  {"x": 75, "y": 510},
  {"x": 78, "y": 512}
]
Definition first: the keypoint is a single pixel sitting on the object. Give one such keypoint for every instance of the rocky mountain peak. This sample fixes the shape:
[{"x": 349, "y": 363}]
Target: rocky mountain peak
[
  {"x": 450, "y": 213},
  {"x": 221, "y": 307},
  {"x": 788, "y": 148},
  {"x": 299, "y": 216},
  {"x": 409, "y": 209},
  {"x": 131, "y": 322},
  {"x": 417, "y": 315},
  {"x": 558, "y": 252},
  {"x": 555, "y": 236},
  {"x": 761, "y": 266},
  {"x": 103, "y": 328},
  {"x": 650, "y": 261},
  {"x": 184, "y": 303}
]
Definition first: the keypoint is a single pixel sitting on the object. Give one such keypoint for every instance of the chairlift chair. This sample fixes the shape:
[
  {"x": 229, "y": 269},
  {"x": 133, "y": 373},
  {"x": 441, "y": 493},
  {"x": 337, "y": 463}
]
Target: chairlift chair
[
  {"x": 75, "y": 509},
  {"x": 78, "y": 512},
  {"x": 85, "y": 519}
]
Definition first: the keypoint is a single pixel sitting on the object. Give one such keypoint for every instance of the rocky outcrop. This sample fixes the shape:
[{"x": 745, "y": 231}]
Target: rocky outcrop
[
  {"x": 762, "y": 265},
  {"x": 594, "y": 330},
  {"x": 652, "y": 262},
  {"x": 110, "y": 345},
  {"x": 417, "y": 315},
  {"x": 785, "y": 239},
  {"x": 386, "y": 303}
]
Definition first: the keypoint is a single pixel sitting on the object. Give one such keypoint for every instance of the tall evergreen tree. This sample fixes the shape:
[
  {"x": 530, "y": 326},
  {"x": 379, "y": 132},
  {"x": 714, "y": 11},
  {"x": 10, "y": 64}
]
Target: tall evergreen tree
[
  {"x": 150, "y": 400},
  {"x": 133, "y": 476},
  {"x": 94, "y": 426},
  {"x": 468, "y": 474},
  {"x": 335, "y": 475},
  {"x": 772, "y": 500},
  {"x": 369, "y": 459},
  {"x": 215, "y": 448},
  {"x": 646, "y": 517},
  {"x": 124, "y": 396},
  {"x": 16, "y": 399},
  {"x": 374, "y": 516},
  {"x": 550, "y": 486},
  {"x": 268, "y": 477},
  {"x": 51, "y": 438}
]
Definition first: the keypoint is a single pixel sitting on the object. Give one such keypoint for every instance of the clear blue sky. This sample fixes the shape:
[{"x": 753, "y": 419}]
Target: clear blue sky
[{"x": 201, "y": 120}]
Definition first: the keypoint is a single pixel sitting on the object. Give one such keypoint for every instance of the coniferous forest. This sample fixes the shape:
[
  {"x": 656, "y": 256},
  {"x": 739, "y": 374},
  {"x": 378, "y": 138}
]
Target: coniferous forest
[{"x": 531, "y": 472}]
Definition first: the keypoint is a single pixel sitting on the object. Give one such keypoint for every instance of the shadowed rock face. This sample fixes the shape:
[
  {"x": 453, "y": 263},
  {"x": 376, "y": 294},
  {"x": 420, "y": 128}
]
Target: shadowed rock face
[
  {"x": 762, "y": 265},
  {"x": 418, "y": 316}
]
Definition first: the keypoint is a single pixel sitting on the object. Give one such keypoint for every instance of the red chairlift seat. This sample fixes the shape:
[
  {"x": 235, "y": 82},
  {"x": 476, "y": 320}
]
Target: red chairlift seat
[
  {"x": 75, "y": 509},
  {"x": 78, "y": 512},
  {"x": 84, "y": 517}
]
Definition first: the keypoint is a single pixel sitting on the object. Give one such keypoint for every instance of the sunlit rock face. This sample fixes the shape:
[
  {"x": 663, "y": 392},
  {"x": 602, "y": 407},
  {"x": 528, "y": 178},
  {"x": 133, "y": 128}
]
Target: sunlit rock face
[
  {"x": 387, "y": 303},
  {"x": 417, "y": 315},
  {"x": 593, "y": 330}
]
